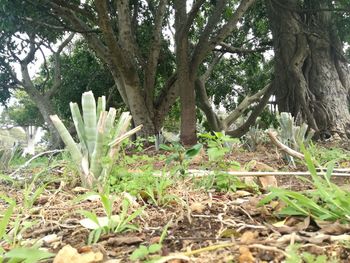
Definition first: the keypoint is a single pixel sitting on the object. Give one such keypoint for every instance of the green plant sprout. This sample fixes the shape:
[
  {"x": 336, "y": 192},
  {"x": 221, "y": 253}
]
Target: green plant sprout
[
  {"x": 218, "y": 144},
  {"x": 147, "y": 252},
  {"x": 111, "y": 223},
  {"x": 180, "y": 154}
]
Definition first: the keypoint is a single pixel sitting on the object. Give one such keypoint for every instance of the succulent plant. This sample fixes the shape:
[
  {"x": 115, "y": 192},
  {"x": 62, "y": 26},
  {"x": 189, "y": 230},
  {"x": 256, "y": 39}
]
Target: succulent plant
[
  {"x": 99, "y": 137},
  {"x": 293, "y": 135}
]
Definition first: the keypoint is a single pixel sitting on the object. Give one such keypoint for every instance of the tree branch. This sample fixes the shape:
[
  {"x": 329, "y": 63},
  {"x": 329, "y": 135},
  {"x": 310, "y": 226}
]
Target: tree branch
[
  {"x": 232, "y": 23},
  {"x": 153, "y": 55},
  {"x": 248, "y": 100},
  {"x": 127, "y": 39},
  {"x": 57, "y": 77},
  {"x": 203, "y": 103},
  {"x": 226, "y": 48},
  {"x": 211, "y": 67},
  {"x": 243, "y": 129},
  {"x": 202, "y": 47},
  {"x": 192, "y": 14}
]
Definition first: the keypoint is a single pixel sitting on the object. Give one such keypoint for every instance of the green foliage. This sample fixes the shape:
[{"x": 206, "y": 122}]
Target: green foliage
[
  {"x": 294, "y": 256},
  {"x": 221, "y": 182},
  {"x": 115, "y": 223},
  {"x": 325, "y": 155},
  {"x": 141, "y": 142},
  {"x": 27, "y": 255},
  {"x": 81, "y": 67},
  {"x": 143, "y": 252},
  {"x": 218, "y": 144},
  {"x": 144, "y": 185},
  {"x": 327, "y": 202},
  {"x": 157, "y": 193},
  {"x": 24, "y": 112},
  {"x": 99, "y": 138},
  {"x": 15, "y": 222},
  {"x": 181, "y": 155}
]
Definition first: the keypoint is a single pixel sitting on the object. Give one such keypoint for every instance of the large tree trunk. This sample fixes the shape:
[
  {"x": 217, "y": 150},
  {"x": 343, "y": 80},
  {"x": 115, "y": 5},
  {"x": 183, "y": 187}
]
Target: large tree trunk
[
  {"x": 45, "y": 107},
  {"x": 186, "y": 77},
  {"x": 311, "y": 74}
]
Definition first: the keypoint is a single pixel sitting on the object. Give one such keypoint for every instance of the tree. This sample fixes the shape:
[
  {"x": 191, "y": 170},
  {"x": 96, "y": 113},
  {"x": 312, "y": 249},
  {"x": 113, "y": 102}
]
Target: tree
[
  {"x": 312, "y": 77},
  {"x": 22, "y": 49},
  {"x": 128, "y": 37},
  {"x": 25, "y": 113},
  {"x": 82, "y": 71},
  {"x": 238, "y": 75}
]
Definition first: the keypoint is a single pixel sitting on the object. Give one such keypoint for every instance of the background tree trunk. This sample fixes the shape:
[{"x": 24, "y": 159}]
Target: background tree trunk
[
  {"x": 186, "y": 81},
  {"x": 45, "y": 107},
  {"x": 311, "y": 73}
]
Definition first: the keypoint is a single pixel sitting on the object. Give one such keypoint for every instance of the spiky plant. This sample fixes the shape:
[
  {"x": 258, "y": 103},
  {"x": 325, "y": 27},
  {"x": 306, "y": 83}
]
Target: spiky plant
[
  {"x": 99, "y": 137},
  {"x": 293, "y": 135}
]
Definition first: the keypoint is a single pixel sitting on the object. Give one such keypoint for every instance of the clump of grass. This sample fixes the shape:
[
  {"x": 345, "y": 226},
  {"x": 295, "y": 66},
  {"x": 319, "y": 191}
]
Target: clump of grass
[{"x": 327, "y": 202}]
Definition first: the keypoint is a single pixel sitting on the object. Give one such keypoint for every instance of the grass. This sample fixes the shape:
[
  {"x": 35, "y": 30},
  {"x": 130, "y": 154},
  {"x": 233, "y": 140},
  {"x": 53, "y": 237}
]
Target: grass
[{"x": 327, "y": 202}]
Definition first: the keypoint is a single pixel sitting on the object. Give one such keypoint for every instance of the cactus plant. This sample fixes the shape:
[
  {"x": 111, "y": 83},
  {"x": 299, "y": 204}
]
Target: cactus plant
[
  {"x": 292, "y": 135},
  {"x": 99, "y": 137}
]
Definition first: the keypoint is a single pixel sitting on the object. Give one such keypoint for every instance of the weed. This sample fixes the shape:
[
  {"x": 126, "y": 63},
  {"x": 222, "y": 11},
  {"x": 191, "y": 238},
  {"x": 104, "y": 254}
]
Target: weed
[
  {"x": 145, "y": 252},
  {"x": 218, "y": 144},
  {"x": 158, "y": 192},
  {"x": 14, "y": 236},
  {"x": 294, "y": 256},
  {"x": 325, "y": 155},
  {"x": 112, "y": 223},
  {"x": 221, "y": 182},
  {"x": 181, "y": 155},
  {"x": 327, "y": 202}
]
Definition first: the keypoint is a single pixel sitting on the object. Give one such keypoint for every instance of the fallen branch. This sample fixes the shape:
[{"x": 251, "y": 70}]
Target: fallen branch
[
  {"x": 284, "y": 147},
  {"x": 200, "y": 173},
  {"x": 33, "y": 158}
]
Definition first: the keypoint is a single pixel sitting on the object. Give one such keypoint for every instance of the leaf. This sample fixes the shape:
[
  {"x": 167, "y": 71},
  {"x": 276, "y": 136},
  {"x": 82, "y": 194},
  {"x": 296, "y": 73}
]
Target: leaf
[
  {"x": 94, "y": 222},
  {"x": 154, "y": 248},
  {"x": 165, "y": 147},
  {"x": 139, "y": 253},
  {"x": 194, "y": 150},
  {"x": 216, "y": 153},
  {"x": 28, "y": 255}
]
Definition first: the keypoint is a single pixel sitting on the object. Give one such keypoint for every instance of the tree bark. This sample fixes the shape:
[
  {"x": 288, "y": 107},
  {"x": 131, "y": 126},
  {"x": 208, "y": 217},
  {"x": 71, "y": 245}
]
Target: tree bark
[
  {"x": 185, "y": 81},
  {"x": 311, "y": 73},
  {"x": 45, "y": 107}
]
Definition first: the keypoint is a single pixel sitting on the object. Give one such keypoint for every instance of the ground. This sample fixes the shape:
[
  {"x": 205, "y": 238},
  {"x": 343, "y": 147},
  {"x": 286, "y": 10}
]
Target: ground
[{"x": 206, "y": 225}]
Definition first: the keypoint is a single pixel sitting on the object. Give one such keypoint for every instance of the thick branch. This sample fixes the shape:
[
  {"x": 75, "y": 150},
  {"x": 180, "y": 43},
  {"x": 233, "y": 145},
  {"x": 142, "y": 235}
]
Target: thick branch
[
  {"x": 232, "y": 23},
  {"x": 153, "y": 56},
  {"x": 204, "y": 104},
  {"x": 247, "y": 101},
  {"x": 243, "y": 129},
  {"x": 57, "y": 78},
  {"x": 79, "y": 26},
  {"x": 127, "y": 39},
  {"x": 225, "y": 48},
  {"x": 211, "y": 67},
  {"x": 202, "y": 47}
]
